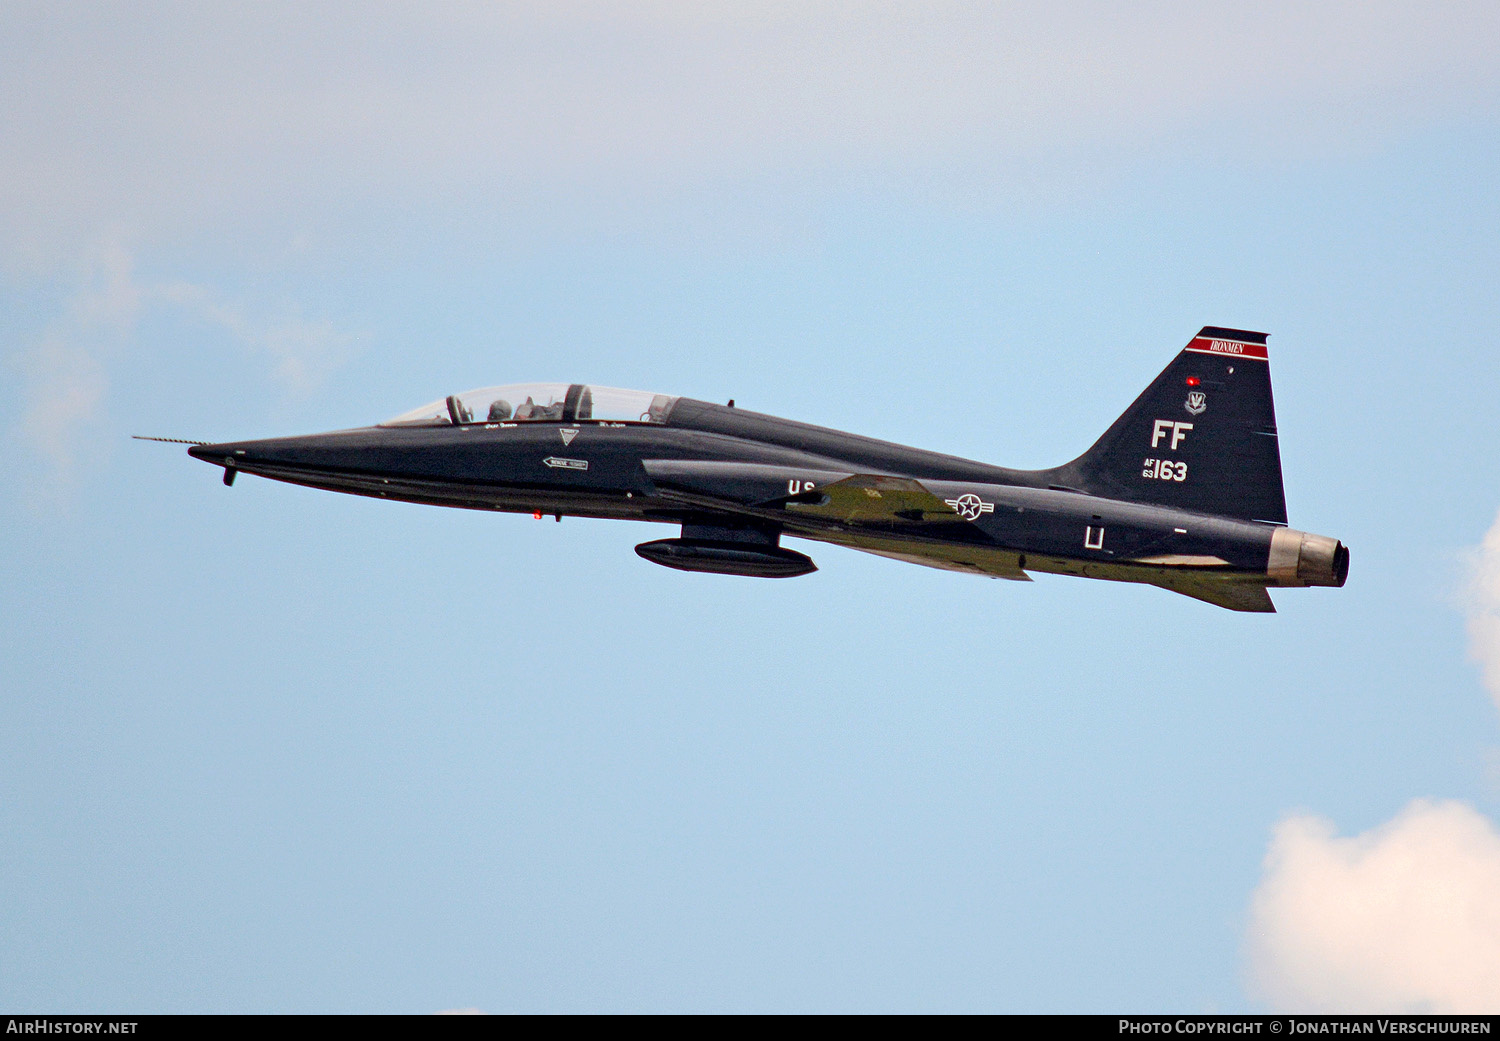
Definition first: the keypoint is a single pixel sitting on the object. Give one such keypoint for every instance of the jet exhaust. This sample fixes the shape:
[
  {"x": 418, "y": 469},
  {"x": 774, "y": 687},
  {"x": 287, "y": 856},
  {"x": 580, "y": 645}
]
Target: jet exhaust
[{"x": 1299, "y": 558}]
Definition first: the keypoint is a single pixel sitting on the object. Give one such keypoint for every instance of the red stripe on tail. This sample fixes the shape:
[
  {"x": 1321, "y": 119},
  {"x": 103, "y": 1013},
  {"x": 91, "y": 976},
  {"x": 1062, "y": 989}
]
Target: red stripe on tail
[{"x": 1232, "y": 348}]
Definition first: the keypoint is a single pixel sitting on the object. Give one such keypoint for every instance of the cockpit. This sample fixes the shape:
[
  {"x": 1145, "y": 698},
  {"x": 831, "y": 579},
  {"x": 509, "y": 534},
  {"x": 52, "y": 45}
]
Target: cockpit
[{"x": 538, "y": 403}]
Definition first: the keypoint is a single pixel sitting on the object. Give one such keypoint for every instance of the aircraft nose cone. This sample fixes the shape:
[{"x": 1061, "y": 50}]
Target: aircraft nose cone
[
  {"x": 219, "y": 455},
  {"x": 284, "y": 458},
  {"x": 230, "y": 453},
  {"x": 280, "y": 450},
  {"x": 209, "y": 453}
]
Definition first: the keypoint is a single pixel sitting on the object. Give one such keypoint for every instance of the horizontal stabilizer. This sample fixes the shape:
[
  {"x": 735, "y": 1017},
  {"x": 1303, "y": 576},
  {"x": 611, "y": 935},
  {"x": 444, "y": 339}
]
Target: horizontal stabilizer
[{"x": 1236, "y": 596}]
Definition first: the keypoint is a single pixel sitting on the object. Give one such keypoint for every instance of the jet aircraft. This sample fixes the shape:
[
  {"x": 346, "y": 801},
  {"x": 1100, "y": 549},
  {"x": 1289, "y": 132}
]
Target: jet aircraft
[{"x": 1183, "y": 491}]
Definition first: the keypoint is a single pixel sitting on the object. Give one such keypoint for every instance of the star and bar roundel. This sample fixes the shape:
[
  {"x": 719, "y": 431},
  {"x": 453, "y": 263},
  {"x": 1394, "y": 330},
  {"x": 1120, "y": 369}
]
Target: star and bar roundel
[{"x": 970, "y": 506}]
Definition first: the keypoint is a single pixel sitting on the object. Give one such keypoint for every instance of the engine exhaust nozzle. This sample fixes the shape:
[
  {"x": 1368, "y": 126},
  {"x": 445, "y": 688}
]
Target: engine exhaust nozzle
[{"x": 1299, "y": 558}]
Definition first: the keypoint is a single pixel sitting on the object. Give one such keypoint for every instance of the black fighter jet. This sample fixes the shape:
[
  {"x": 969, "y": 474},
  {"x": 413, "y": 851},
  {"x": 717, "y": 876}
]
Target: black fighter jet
[{"x": 1184, "y": 491}]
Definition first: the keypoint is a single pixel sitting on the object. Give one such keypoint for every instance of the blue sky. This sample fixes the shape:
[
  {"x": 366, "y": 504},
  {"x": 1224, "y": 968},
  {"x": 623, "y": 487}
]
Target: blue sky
[{"x": 270, "y": 749}]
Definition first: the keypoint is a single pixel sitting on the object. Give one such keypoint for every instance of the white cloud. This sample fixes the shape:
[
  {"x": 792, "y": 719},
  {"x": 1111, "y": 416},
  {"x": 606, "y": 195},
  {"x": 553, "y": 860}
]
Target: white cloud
[
  {"x": 65, "y": 388},
  {"x": 1404, "y": 918},
  {"x": 65, "y": 372},
  {"x": 1484, "y": 610},
  {"x": 303, "y": 352}
]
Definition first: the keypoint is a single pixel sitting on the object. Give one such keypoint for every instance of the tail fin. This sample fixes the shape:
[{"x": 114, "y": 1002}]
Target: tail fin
[{"x": 1201, "y": 437}]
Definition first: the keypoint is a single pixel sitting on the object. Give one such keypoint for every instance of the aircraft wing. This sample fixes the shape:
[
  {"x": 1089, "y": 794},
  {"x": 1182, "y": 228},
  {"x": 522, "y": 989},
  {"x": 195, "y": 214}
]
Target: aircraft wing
[
  {"x": 827, "y": 498},
  {"x": 875, "y": 513},
  {"x": 874, "y": 498}
]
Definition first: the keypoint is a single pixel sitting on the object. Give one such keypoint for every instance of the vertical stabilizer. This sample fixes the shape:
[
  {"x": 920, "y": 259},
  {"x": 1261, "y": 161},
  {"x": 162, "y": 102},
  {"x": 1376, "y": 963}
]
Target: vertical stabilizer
[{"x": 1201, "y": 437}]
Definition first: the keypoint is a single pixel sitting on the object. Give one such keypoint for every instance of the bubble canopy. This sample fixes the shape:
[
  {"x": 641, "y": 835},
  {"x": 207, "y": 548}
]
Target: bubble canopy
[{"x": 540, "y": 402}]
